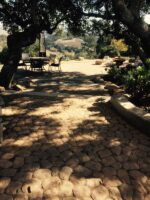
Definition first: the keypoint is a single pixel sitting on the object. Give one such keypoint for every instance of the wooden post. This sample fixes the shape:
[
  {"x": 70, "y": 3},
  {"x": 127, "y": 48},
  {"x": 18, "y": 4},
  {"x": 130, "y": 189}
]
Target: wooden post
[{"x": 42, "y": 52}]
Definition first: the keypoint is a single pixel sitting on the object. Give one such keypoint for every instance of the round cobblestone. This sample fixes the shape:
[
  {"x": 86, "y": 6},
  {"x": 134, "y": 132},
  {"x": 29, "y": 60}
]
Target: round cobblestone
[
  {"x": 72, "y": 147},
  {"x": 100, "y": 192}
]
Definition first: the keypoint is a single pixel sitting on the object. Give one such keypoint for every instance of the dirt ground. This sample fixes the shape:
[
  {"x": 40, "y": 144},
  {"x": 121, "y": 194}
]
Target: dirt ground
[{"x": 86, "y": 67}]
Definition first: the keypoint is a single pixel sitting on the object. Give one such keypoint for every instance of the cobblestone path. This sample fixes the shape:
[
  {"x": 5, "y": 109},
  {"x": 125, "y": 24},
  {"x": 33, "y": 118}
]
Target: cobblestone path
[{"x": 71, "y": 147}]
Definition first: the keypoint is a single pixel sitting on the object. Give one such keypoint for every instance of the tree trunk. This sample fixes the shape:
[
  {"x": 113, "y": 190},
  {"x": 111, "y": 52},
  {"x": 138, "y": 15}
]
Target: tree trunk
[
  {"x": 139, "y": 51},
  {"x": 135, "y": 44},
  {"x": 10, "y": 68},
  {"x": 134, "y": 23},
  {"x": 15, "y": 44}
]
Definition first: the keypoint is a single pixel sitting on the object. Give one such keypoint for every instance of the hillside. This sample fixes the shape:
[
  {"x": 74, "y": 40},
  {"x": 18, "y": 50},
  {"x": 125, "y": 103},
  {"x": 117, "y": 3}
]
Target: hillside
[{"x": 74, "y": 43}]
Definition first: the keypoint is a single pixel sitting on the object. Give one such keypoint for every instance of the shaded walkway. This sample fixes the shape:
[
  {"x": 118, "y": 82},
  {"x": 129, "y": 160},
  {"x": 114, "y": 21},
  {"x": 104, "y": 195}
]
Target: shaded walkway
[{"x": 71, "y": 147}]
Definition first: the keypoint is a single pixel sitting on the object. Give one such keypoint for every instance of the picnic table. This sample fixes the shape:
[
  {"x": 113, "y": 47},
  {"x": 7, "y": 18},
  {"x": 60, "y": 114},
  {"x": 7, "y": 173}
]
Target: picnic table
[
  {"x": 33, "y": 63},
  {"x": 38, "y": 62}
]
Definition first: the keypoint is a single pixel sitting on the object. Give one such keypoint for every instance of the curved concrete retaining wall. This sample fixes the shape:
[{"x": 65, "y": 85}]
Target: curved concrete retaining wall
[{"x": 134, "y": 115}]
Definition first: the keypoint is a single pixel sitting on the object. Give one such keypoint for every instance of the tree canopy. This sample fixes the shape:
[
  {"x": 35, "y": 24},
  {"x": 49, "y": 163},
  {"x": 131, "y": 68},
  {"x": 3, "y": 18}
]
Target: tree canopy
[
  {"x": 39, "y": 15},
  {"x": 18, "y": 15},
  {"x": 125, "y": 17},
  {"x": 25, "y": 19}
]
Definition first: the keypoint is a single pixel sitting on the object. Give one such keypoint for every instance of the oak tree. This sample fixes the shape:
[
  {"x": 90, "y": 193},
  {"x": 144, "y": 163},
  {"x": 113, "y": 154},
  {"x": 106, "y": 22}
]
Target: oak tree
[{"x": 25, "y": 19}]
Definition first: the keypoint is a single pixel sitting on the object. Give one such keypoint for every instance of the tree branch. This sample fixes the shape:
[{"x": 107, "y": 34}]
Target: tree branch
[
  {"x": 98, "y": 15},
  {"x": 51, "y": 30}
]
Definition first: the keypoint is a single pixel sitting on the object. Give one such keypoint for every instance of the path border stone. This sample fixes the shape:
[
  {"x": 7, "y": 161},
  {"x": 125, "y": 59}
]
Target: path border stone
[{"x": 134, "y": 115}]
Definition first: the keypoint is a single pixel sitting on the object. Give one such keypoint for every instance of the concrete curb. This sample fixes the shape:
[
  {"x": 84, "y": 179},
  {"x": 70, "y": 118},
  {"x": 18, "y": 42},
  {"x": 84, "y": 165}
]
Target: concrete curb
[{"x": 134, "y": 115}]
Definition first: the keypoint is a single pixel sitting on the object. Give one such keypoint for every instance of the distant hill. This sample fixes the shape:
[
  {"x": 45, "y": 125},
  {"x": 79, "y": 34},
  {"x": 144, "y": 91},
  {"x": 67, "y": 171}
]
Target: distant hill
[{"x": 74, "y": 43}]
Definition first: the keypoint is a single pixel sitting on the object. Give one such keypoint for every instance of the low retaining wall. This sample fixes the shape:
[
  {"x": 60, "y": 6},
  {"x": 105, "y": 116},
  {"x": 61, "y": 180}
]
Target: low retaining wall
[
  {"x": 1, "y": 125},
  {"x": 134, "y": 115}
]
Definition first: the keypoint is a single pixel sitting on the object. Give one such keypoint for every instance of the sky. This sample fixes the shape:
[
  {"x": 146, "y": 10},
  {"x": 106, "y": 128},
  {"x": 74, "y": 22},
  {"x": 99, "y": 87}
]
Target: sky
[{"x": 147, "y": 19}]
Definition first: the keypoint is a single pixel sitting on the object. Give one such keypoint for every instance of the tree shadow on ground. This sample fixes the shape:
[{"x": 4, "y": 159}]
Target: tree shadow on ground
[
  {"x": 65, "y": 82},
  {"x": 102, "y": 150},
  {"x": 93, "y": 150}
]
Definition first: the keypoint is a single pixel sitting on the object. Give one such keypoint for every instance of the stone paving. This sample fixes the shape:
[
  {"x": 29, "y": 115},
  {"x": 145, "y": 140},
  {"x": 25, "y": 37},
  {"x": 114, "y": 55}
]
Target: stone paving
[{"x": 73, "y": 147}]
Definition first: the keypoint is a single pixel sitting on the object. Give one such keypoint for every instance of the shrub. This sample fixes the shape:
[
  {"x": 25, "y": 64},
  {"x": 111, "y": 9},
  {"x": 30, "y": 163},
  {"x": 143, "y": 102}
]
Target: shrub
[
  {"x": 116, "y": 74},
  {"x": 32, "y": 50},
  {"x": 137, "y": 82},
  {"x": 82, "y": 54},
  {"x": 69, "y": 55},
  {"x": 148, "y": 61},
  {"x": 119, "y": 45}
]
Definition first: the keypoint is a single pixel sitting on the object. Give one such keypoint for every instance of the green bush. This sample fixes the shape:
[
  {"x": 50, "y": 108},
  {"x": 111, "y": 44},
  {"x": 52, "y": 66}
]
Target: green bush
[
  {"x": 116, "y": 74},
  {"x": 69, "y": 55},
  {"x": 81, "y": 54},
  {"x": 137, "y": 82},
  {"x": 32, "y": 50},
  {"x": 148, "y": 61}
]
